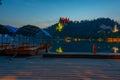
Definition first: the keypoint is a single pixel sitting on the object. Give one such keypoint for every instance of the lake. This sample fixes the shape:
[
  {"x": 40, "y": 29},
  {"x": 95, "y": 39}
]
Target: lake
[{"x": 85, "y": 46}]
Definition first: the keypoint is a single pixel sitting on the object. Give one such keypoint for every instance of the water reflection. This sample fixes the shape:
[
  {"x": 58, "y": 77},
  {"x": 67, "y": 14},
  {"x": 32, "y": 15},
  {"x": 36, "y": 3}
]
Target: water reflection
[
  {"x": 115, "y": 49},
  {"x": 59, "y": 50},
  {"x": 10, "y": 77},
  {"x": 84, "y": 45},
  {"x": 67, "y": 39}
]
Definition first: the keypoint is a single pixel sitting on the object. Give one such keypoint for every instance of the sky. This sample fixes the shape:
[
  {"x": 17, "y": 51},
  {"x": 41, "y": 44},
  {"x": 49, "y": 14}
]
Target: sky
[{"x": 44, "y": 13}]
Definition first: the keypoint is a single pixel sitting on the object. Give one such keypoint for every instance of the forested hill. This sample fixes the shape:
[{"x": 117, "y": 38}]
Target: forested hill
[{"x": 101, "y": 27}]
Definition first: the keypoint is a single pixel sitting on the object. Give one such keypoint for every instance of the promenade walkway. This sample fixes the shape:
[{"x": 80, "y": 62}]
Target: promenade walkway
[{"x": 39, "y": 68}]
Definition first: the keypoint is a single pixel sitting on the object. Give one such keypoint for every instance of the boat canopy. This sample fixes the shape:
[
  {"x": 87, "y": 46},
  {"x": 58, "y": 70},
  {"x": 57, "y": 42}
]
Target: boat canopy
[
  {"x": 46, "y": 33},
  {"x": 10, "y": 30},
  {"x": 28, "y": 30}
]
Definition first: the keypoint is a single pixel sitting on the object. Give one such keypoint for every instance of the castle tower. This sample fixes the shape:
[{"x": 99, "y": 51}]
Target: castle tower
[{"x": 66, "y": 20}]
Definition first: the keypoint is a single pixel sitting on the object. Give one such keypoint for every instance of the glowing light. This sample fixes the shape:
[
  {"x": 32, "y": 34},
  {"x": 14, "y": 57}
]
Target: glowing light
[
  {"x": 115, "y": 49},
  {"x": 115, "y": 29},
  {"x": 68, "y": 39},
  {"x": 59, "y": 50},
  {"x": 78, "y": 39},
  {"x": 99, "y": 39},
  {"x": 59, "y": 27},
  {"x": 75, "y": 39},
  {"x": 110, "y": 40}
]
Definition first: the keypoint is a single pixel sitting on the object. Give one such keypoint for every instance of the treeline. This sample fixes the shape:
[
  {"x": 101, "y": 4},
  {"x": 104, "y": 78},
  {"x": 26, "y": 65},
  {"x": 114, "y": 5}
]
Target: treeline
[{"x": 101, "y": 27}]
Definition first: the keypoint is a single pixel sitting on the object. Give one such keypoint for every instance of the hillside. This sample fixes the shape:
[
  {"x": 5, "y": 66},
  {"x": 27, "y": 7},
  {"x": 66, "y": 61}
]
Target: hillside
[{"x": 101, "y": 27}]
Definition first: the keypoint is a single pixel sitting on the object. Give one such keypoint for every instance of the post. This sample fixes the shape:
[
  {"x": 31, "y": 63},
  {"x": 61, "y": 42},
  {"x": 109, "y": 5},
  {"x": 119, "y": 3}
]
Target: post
[
  {"x": 2, "y": 40},
  {"x": 18, "y": 40},
  {"x": 12, "y": 41},
  {"x": 94, "y": 49},
  {"x": 46, "y": 47}
]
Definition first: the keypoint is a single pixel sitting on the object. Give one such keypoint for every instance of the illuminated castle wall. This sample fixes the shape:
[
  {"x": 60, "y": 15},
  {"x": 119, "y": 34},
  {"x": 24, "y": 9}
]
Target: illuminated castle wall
[{"x": 64, "y": 19}]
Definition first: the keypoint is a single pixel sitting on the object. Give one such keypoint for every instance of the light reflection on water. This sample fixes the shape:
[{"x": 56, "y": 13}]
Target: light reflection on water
[
  {"x": 85, "y": 46},
  {"x": 57, "y": 68},
  {"x": 77, "y": 45}
]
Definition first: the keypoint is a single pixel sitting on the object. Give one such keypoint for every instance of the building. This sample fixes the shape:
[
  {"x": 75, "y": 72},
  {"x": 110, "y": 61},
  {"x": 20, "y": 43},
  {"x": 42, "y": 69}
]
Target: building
[{"x": 115, "y": 28}]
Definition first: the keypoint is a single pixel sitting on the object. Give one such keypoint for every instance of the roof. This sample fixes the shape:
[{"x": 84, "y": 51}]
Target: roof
[
  {"x": 28, "y": 30},
  {"x": 46, "y": 33},
  {"x": 10, "y": 30}
]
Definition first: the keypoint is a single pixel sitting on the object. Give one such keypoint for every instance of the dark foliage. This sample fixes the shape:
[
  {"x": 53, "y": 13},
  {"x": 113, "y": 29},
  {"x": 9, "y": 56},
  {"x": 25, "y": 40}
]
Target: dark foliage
[{"x": 101, "y": 27}]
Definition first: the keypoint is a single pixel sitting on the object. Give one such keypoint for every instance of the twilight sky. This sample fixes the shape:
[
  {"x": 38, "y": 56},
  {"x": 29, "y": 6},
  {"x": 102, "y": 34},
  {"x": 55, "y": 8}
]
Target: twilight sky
[{"x": 44, "y": 13}]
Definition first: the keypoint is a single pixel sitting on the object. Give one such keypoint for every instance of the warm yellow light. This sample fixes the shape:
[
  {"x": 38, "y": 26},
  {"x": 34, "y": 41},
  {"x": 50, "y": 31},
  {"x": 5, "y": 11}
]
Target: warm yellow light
[
  {"x": 115, "y": 29},
  {"x": 59, "y": 50},
  {"x": 78, "y": 39},
  {"x": 59, "y": 27},
  {"x": 113, "y": 40},
  {"x": 115, "y": 49},
  {"x": 75, "y": 39},
  {"x": 68, "y": 39},
  {"x": 99, "y": 39}
]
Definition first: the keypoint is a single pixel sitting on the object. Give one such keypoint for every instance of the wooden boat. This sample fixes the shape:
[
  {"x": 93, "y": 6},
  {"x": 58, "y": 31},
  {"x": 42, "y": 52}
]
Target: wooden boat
[
  {"x": 43, "y": 48},
  {"x": 25, "y": 32},
  {"x": 26, "y": 50},
  {"x": 3, "y": 47}
]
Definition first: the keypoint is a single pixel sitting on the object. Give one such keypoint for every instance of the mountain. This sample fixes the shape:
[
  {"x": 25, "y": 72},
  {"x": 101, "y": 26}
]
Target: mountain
[{"x": 101, "y": 27}]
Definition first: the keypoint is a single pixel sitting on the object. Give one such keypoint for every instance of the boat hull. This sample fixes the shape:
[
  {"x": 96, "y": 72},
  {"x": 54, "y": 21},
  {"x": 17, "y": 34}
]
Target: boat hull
[
  {"x": 25, "y": 50},
  {"x": 20, "y": 52}
]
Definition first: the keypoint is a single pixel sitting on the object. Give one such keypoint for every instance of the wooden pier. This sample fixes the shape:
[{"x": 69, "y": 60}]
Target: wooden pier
[{"x": 97, "y": 56}]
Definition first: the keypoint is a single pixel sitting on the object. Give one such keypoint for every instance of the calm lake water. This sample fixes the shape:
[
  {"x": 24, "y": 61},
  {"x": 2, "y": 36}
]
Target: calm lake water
[
  {"x": 72, "y": 46},
  {"x": 85, "y": 46}
]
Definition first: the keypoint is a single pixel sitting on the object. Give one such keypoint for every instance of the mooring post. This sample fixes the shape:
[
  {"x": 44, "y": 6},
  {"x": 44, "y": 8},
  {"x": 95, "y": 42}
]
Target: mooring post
[{"x": 94, "y": 49}]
